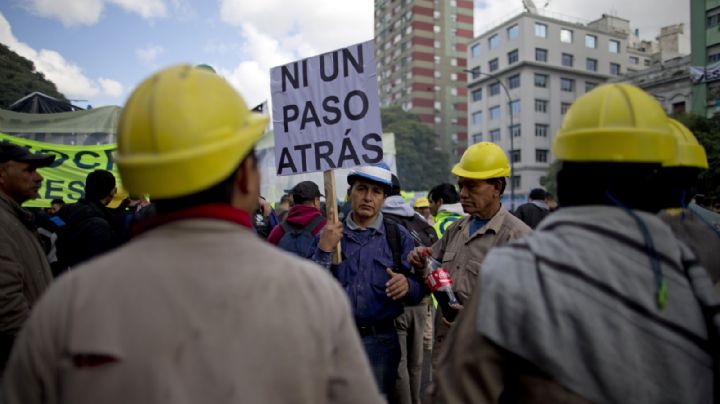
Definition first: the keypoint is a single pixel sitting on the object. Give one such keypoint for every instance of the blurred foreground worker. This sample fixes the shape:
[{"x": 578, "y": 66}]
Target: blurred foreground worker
[
  {"x": 601, "y": 304},
  {"x": 197, "y": 308},
  {"x": 680, "y": 178},
  {"x": 482, "y": 177},
  {"x": 24, "y": 269}
]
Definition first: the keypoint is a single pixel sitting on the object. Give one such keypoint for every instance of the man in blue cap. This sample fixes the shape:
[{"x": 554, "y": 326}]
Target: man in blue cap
[{"x": 374, "y": 271}]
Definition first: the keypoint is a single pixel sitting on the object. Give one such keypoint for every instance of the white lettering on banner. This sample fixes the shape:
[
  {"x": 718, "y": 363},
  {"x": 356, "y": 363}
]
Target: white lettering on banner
[{"x": 326, "y": 112}]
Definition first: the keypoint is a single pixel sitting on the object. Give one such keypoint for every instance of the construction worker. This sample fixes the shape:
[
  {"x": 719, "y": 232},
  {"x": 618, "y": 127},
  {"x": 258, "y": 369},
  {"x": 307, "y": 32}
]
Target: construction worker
[
  {"x": 374, "y": 271},
  {"x": 24, "y": 268},
  {"x": 680, "y": 178},
  {"x": 422, "y": 206},
  {"x": 196, "y": 308},
  {"x": 601, "y": 303},
  {"x": 445, "y": 207},
  {"x": 482, "y": 173}
]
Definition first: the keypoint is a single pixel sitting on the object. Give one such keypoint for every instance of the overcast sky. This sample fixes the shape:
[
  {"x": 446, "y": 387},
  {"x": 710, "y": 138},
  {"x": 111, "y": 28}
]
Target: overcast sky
[{"x": 98, "y": 50}]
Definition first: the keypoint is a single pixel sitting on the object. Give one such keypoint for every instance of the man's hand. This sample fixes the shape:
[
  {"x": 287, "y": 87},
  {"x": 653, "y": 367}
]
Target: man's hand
[
  {"x": 266, "y": 207},
  {"x": 416, "y": 258},
  {"x": 397, "y": 287},
  {"x": 331, "y": 234}
]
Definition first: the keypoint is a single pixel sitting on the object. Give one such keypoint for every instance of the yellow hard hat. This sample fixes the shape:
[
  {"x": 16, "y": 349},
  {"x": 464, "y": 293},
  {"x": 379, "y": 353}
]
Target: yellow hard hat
[
  {"x": 690, "y": 152},
  {"x": 421, "y": 202},
  {"x": 615, "y": 123},
  {"x": 483, "y": 161},
  {"x": 183, "y": 130},
  {"x": 120, "y": 196}
]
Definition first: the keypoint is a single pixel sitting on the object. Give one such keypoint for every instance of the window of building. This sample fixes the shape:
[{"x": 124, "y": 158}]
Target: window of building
[
  {"x": 513, "y": 31},
  {"x": 515, "y": 156},
  {"x": 634, "y": 60},
  {"x": 436, "y": 44},
  {"x": 453, "y": 91},
  {"x": 515, "y": 130},
  {"x": 477, "y": 137},
  {"x": 475, "y": 72},
  {"x": 512, "y": 56},
  {"x": 437, "y": 74},
  {"x": 564, "y": 107},
  {"x": 567, "y": 59},
  {"x": 541, "y": 106},
  {"x": 494, "y": 112},
  {"x": 436, "y": 29},
  {"x": 541, "y": 80},
  {"x": 515, "y": 107},
  {"x": 477, "y": 117},
  {"x": 516, "y": 181},
  {"x": 437, "y": 59},
  {"x": 453, "y": 76},
  {"x": 437, "y": 105},
  {"x": 615, "y": 69},
  {"x": 678, "y": 107},
  {"x": 493, "y": 41},
  {"x": 475, "y": 50},
  {"x": 540, "y": 30},
  {"x": 590, "y": 41},
  {"x": 567, "y": 85},
  {"x": 495, "y": 135},
  {"x": 541, "y": 55},
  {"x": 591, "y": 64},
  {"x": 566, "y": 35},
  {"x": 646, "y": 62},
  {"x": 613, "y": 46},
  {"x": 514, "y": 81},
  {"x": 438, "y": 119},
  {"x": 477, "y": 94},
  {"x": 541, "y": 130},
  {"x": 713, "y": 17},
  {"x": 541, "y": 155},
  {"x": 494, "y": 89},
  {"x": 493, "y": 65},
  {"x": 713, "y": 53},
  {"x": 589, "y": 85}
]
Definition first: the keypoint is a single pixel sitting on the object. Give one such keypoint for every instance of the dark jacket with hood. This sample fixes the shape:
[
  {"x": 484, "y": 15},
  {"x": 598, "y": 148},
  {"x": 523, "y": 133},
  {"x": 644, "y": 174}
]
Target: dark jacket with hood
[
  {"x": 298, "y": 216},
  {"x": 88, "y": 231}
]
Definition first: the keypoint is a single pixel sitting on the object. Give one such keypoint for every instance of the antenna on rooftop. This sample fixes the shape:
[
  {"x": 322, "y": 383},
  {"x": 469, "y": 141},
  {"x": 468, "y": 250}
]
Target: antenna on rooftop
[{"x": 529, "y": 6}]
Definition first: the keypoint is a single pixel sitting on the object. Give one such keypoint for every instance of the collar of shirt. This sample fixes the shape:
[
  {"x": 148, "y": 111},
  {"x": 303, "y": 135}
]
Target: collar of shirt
[
  {"x": 210, "y": 211},
  {"x": 376, "y": 224},
  {"x": 494, "y": 224}
]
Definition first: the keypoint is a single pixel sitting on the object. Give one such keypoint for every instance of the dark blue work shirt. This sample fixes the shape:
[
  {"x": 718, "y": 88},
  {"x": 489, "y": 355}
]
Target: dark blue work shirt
[{"x": 363, "y": 271}]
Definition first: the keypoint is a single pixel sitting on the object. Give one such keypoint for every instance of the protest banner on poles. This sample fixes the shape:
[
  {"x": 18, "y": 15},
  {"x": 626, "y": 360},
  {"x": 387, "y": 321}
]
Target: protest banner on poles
[
  {"x": 65, "y": 178},
  {"x": 326, "y": 114}
]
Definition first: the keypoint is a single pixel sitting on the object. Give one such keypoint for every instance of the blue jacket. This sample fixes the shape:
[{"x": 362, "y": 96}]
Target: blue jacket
[{"x": 363, "y": 272}]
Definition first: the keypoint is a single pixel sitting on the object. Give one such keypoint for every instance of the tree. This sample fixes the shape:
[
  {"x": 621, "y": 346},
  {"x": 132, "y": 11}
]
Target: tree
[
  {"x": 19, "y": 78},
  {"x": 707, "y": 132},
  {"x": 421, "y": 164},
  {"x": 549, "y": 181}
]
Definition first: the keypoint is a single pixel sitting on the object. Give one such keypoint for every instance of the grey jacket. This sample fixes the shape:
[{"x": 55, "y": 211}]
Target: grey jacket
[
  {"x": 194, "y": 311},
  {"x": 577, "y": 301},
  {"x": 24, "y": 271}
]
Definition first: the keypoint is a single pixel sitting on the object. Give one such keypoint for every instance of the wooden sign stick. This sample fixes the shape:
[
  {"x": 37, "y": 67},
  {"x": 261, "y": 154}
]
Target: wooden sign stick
[{"x": 332, "y": 209}]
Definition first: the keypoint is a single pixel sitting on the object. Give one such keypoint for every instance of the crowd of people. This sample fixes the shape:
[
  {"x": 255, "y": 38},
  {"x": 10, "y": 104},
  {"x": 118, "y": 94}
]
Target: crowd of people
[{"x": 209, "y": 294}]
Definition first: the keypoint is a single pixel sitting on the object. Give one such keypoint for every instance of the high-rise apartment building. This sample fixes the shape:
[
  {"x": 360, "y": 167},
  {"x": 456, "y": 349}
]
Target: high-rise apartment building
[
  {"x": 421, "y": 52},
  {"x": 526, "y": 73},
  {"x": 705, "y": 56}
]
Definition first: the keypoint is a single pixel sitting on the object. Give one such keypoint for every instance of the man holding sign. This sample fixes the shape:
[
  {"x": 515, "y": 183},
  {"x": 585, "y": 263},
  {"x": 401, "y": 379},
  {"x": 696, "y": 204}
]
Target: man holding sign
[
  {"x": 374, "y": 272},
  {"x": 326, "y": 116}
]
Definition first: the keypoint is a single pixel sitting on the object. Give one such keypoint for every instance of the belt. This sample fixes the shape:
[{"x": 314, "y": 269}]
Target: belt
[{"x": 385, "y": 327}]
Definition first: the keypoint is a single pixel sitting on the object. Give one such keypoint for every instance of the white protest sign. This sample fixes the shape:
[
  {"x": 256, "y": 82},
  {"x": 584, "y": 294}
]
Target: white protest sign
[{"x": 326, "y": 113}]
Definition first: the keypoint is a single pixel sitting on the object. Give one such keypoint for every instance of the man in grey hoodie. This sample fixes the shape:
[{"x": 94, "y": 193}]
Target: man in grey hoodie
[{"x": 411, "y": 324}]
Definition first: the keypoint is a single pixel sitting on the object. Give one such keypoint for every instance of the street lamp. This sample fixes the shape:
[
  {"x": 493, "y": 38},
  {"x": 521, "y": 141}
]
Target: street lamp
[{"x": 475, "y": 71}]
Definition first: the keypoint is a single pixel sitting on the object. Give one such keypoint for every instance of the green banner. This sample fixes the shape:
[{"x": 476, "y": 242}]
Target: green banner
[{"x": 65, "y": 178}]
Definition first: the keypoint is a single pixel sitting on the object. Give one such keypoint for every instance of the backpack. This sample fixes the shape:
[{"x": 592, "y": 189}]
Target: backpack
[
  {"x": 299, "y": 240},
  {"x": 422, "y": 233}
]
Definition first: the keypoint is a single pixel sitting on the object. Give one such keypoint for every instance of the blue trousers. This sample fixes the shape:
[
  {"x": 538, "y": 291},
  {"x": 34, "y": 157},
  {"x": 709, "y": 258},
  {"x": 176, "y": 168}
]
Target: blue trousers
[{"x": 383, "y": 351}]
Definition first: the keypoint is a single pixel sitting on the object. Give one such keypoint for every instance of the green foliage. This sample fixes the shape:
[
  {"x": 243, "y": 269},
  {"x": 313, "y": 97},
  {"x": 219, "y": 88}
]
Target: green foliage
[
  {"x": 19, "y": 78},
  {"x": 549, "y": 181},
  {"x": 707, "y": 132},
  {"x": 420, "y": 163}
]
